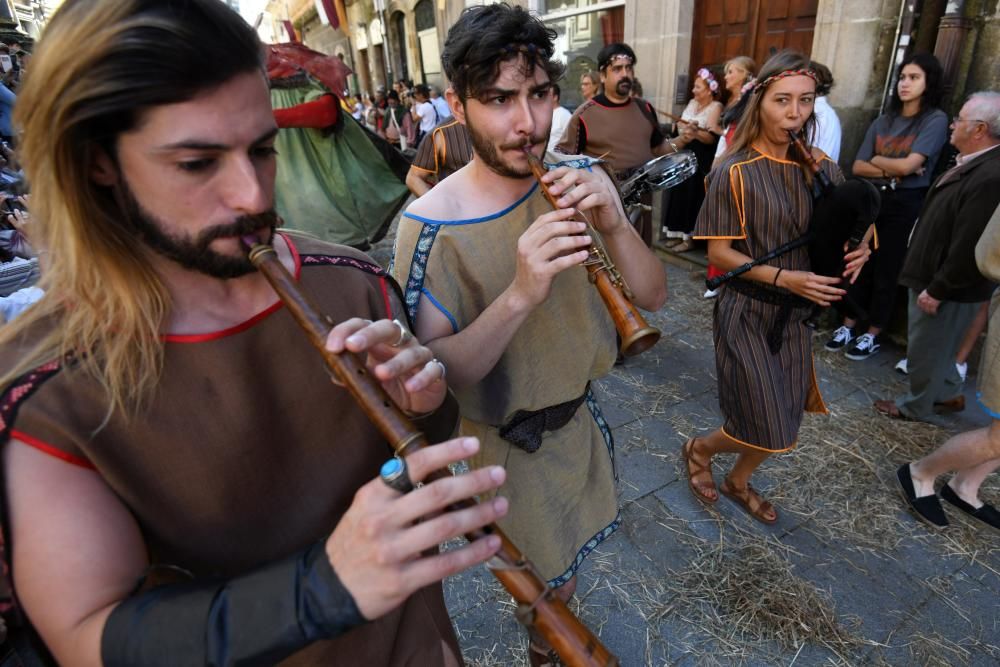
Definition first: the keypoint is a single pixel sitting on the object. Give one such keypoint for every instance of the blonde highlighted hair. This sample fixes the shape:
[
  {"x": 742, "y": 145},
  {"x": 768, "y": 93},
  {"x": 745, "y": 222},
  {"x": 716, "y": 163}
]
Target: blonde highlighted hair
[{"x": 99, "y": 65}]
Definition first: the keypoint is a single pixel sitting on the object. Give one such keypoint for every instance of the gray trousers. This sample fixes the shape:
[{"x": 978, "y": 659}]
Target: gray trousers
[{"x": 931, "y": 345}]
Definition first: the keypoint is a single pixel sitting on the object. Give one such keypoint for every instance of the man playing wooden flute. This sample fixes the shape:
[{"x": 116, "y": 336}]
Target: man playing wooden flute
[
  {"x": 493, "y": 281},
  {"x": 184, "y": 485}
]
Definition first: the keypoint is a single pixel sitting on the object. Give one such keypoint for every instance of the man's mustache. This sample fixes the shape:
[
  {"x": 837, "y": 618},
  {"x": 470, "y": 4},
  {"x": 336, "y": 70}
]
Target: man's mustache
[{"x": 242, "y": 226}]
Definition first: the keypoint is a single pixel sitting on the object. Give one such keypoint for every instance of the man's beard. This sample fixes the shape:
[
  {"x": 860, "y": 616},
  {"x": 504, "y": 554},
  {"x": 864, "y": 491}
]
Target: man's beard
[
  {"x": 623, "y": 87},
  {"x": 490, "y": 154},
  {"x": 195, "y": 253}
]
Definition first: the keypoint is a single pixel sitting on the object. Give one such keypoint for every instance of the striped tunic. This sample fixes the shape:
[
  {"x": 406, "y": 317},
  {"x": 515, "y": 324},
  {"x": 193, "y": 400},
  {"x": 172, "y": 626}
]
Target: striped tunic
[
  {"x": 452, "y": 151},
  {"x": 761, "y": 202}
]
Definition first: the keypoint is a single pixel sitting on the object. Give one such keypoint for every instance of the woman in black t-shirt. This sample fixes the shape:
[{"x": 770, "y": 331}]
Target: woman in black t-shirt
[{"x": 898, "y": 155}]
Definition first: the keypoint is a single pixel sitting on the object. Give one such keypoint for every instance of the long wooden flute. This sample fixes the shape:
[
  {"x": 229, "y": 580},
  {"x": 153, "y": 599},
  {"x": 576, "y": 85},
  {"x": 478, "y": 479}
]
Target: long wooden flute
[
  {"x": 538, "y": 607},
  {"x": 637, "y": 336}
]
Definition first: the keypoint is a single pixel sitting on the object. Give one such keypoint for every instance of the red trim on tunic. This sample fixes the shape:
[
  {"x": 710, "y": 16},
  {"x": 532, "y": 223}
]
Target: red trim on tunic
[
  {"x": 46, "y": 448},
  {"x": 385, "y": 297},
  {"x": 242, "y": 326}
]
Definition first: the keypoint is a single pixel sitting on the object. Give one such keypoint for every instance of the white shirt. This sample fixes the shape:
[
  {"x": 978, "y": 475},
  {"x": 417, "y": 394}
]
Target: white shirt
[
  {"x": 441, "y": 106},
  {"x": 428, "y": 117},
  {"x": 560, "y": 119},
  {"x": 827, "y": 134}
]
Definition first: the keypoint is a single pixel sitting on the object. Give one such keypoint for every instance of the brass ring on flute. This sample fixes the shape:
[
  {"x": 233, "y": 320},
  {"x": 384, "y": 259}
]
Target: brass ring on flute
[{"x": 404, "y": 335}]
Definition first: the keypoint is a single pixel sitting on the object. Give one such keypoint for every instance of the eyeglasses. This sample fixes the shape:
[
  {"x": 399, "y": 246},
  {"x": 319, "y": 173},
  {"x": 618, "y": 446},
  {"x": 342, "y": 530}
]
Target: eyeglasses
[{"x": 956, "y": 119}]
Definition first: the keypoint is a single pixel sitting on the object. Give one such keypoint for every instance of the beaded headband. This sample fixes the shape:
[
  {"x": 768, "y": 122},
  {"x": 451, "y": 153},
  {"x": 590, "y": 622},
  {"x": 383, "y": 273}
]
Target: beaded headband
[
  {"x": 760, "y": 85},
  {"x": 706, "y": 75},
  {"x": 618, "y": 58}
]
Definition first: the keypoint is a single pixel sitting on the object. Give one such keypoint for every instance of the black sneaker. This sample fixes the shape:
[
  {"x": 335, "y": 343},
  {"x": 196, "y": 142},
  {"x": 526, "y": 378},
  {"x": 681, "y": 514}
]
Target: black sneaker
[
  {"x": 865, "y": 346},
  {"x": 842, "y": 337}
]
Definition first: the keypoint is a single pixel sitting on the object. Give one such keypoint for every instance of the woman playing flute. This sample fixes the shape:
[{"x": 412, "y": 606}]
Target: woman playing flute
[{"x": 759, "y": 198}]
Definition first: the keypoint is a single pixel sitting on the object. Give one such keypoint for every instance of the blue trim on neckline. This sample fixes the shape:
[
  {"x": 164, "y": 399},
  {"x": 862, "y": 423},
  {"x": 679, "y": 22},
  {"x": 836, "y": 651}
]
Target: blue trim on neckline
[
  {"x": 444, "y": 311},
  {"x": 472, "y": 221}
]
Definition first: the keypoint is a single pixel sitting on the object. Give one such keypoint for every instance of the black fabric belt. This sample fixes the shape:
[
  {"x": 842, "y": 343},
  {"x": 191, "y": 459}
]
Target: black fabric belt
[
  {"x": 525, "y": 428},
  {"x": 786, "y": 300}
]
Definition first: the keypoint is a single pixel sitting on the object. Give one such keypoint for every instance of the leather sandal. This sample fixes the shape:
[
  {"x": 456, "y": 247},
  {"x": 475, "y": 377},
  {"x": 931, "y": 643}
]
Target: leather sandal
[
  {"x": 889, "y": 409},
  {"x": 542, "y": 657},
  {"x": 744, "y": 498},
  {"x": 694, "y": 469}
]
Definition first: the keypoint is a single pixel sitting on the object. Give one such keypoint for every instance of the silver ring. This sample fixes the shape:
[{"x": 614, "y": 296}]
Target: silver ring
[
  {"x": 444, "y": 371},
  {"x": 404, "y": 335},
  {"x": 396, "y": 475}
]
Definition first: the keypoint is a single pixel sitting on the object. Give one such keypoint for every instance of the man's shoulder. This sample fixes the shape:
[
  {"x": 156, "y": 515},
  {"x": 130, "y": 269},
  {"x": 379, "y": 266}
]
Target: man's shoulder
[
  {"x": 440, "y": 203},
  {"x": 313, "y": 252}
]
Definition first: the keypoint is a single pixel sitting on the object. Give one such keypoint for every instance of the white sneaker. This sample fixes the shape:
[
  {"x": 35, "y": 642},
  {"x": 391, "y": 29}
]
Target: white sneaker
[
  {"x": 962, "y": 369},
  {"x": 865, "y": 347},
  {"x": 901, "y": 366},
  {"x": 842, "y": 337},
  {"x": 712, "y": 293}
]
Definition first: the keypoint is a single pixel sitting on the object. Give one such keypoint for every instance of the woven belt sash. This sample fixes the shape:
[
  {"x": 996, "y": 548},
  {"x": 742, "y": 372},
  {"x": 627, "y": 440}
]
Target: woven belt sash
[
  {"x": 785, "y": 300},
  {"x": 525, "y": 428}
]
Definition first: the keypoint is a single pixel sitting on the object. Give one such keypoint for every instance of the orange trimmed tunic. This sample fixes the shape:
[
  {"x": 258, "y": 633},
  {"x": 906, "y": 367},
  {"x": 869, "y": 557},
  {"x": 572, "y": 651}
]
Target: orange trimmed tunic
[{"x": 761, "y": 202}]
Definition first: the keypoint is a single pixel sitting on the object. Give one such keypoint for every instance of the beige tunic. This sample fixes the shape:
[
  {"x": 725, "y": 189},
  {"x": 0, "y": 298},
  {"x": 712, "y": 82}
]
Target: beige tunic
[
  {"x": 562, "y": 496},
  {"x": 988, "y": 261}
]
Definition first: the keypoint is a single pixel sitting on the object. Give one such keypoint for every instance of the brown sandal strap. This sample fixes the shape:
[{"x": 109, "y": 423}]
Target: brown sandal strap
[
  {"x": 744, "y": 496},
  {"x": 694, "y": 469}
]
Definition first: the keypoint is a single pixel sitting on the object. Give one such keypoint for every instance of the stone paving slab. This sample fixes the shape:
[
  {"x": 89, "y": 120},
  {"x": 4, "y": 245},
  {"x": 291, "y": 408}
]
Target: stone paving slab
[{"x": 887, "y": 597}]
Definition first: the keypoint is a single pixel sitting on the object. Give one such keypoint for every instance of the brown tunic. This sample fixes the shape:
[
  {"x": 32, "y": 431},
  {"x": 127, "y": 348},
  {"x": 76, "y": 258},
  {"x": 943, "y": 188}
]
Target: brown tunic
[
  {"x": 445, "y": 150},
  {"x": 622, "y": 135},
  {"x": 761, "y": 202},
  {"x": 247, "y": 452}
]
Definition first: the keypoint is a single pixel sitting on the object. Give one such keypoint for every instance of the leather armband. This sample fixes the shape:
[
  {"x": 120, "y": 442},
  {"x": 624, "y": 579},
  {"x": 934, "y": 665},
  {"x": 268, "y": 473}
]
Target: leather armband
[
  {"x": 442, "y": 424},
  {"x": 256, "y": 619}
]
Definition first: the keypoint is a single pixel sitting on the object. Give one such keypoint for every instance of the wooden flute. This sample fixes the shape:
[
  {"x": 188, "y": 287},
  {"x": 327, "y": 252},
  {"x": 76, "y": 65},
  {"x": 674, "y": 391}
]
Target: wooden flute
[
  {"x": 637, "y": 336},
  {"x": 538, "y": 607}
]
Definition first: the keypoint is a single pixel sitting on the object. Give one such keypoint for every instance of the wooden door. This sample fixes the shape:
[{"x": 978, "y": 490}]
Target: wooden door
[{"x": 724, "y": 29}]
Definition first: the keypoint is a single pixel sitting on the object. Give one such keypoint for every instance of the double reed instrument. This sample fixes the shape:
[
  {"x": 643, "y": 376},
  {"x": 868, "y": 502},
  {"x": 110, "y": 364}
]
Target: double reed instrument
[
  {"x": 538, "y": 607},
  {"x": 636, "y": 335}
]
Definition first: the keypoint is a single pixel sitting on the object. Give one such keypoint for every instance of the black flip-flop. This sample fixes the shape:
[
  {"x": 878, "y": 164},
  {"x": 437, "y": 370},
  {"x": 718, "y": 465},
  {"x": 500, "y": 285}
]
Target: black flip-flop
[
  {"x": 987, "y": 513},
  {"x": 927, "y": 508}
]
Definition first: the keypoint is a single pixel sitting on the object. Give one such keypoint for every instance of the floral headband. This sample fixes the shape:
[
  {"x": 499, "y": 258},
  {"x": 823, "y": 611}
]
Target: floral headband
[
  {"x": 749, "y": 85},
  {"x": 706, "y": 75},
  {"x": 760, "y": 85}
]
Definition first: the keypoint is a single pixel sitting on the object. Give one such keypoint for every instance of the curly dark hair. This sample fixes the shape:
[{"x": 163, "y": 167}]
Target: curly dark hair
[
  {"x": 486, "y": 36},
  {"x": 612, "y": 50},
  {"x": 934, "y": 87}
]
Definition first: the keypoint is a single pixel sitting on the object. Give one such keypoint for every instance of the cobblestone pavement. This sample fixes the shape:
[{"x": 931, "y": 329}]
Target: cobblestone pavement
[{"x": 846, "y": 576}]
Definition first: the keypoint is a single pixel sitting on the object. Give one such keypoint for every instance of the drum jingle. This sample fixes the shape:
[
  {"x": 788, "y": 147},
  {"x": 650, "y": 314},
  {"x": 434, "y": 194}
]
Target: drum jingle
[{"x": 666, "y": 171}]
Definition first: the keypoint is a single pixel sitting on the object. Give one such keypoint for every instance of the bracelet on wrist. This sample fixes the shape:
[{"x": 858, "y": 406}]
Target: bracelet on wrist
[{"x": 775, "y": 281}]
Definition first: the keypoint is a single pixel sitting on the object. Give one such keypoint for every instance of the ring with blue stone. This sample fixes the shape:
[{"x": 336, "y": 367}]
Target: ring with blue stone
[{"x": 396, "y": 475}]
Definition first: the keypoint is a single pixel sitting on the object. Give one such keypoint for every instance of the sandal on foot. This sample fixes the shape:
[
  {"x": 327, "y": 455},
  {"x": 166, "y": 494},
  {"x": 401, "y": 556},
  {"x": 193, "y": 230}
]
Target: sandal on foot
[
  {"x": 745, "y": 497},
  {"x": 542, "y": 657},
  {"x": 693, "y": 469},
  {"x": 889, "y": 409}
]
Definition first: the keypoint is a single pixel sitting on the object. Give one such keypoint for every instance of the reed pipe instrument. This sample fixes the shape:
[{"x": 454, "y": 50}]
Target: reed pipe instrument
[
  {"x": 539, "y": 608},
  {"x": 636, "y": 335}
]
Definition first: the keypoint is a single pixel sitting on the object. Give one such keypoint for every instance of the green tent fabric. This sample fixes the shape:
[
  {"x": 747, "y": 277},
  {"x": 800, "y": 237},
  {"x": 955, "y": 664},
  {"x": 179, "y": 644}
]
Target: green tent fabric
[{"x": 337, "y": 187}]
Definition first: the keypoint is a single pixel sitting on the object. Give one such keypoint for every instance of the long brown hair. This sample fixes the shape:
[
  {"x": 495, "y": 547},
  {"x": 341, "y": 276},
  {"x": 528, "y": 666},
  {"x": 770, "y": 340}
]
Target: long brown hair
[
  {"x": 749, "y": 127},
  {"x": 98, "y": 66}
]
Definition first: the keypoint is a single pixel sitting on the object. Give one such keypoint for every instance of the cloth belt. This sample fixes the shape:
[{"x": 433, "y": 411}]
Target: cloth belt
[
  {"x": 786, "y": 300},
  {"x": 525, "y": 428}
]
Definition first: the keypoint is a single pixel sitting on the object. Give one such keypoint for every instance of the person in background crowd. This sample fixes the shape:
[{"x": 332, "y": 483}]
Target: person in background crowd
[
  {"x": 492, "y": 275},
  {"x": 560, "y": 118},
  {"x": 447, "y": 149},
  {"x": 758, "y": 199},
  {"x": 150, "y": 155},
  {"x": 898, "y": 154},
  {"x": 973, "y": 455},
  {"x": 590, "y": 84},
  {"x": 945, "y": 288},
  {"x": 828, "y": 130},
  {"x": 699, "y": 131},
  {"x": 440, "y": 104},
  {"x": 423, "y": 113},
  {"x": 968, "y": 343},
  {"x": 397, "y": 125},
  {"x": 616, "y": 127},
  {"x": 739, "y": 76}
]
